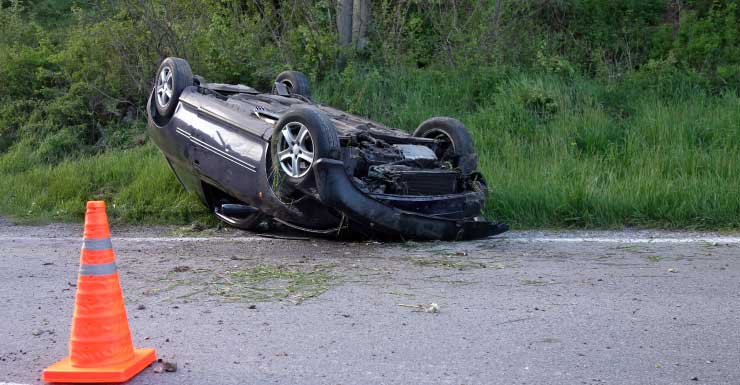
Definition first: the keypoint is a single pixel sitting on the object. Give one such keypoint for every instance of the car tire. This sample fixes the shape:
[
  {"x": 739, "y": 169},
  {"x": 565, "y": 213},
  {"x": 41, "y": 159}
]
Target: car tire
[
  {"x": 301, "y": 137},
  {"x": 173, "y": 76},
  {"x": 296, "y": 82},
  {"x": 456, "y": 144}
]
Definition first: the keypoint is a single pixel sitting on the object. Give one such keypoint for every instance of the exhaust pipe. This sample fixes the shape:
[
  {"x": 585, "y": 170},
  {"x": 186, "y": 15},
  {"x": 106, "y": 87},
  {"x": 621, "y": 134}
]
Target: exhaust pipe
[{"x": 235, "y": 210}]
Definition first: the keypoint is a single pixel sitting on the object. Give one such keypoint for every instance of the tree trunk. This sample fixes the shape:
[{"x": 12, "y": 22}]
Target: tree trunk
[
  {"x": 344, "y": 22},
  {"x": 360, "y": 21},
  {"x": 353, "y": 18}
]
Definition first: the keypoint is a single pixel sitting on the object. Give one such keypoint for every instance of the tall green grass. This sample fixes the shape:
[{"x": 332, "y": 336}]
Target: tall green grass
[
  {"x": 570, "y": 151},
  {"x": 557, "y": 151},
  {"x": 137, "y": 185}
]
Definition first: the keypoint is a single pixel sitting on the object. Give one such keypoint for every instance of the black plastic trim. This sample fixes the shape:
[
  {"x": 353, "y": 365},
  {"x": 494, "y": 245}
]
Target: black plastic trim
[{"x": 336, "y": 190}]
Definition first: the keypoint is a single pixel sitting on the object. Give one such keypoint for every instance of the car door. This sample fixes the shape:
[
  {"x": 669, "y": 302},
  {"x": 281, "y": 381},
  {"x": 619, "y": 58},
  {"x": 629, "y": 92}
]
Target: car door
[{"x": 226, "y": 147}]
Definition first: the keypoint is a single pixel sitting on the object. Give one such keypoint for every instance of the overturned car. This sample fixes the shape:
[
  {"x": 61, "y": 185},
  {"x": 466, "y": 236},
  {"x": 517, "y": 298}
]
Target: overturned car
[{"x": 279, "y": 156}]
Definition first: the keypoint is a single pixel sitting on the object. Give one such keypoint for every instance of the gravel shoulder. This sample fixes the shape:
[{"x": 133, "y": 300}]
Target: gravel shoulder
[{"x": 232, "y": 307}]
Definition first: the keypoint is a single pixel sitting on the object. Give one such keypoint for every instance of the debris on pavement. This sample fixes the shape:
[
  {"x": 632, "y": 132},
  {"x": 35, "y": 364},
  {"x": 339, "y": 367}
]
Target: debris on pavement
[
  {"x": 170, "y": 366},
  {"x": 426, "y": 308},
  {"x": 449, "y": 263},
  {"x": 39, "y": 332},
  {"x": 165, "y": 366},
  {"x": 559, "y": 279}
]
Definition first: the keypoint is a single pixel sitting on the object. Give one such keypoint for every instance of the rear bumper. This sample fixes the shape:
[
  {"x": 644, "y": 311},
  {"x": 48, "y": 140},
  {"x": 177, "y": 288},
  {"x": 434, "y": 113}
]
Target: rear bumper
[{"x": 337, "y": 191}]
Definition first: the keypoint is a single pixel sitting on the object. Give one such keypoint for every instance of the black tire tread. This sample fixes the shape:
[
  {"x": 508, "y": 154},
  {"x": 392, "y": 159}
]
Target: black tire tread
[
  {"x": 461, "y": 140},
  {"x": 301, "y": 85},
  {"x": 183, "y": 77}
]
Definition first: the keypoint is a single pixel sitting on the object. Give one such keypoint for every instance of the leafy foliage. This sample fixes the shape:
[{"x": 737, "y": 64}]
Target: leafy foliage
[{"x": 77, "y": 75}]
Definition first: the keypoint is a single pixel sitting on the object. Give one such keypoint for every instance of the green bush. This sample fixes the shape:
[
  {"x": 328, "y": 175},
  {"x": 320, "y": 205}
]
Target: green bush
[
  {"x": 586, "y": 112},
  {"x": 709, "y": 41}
]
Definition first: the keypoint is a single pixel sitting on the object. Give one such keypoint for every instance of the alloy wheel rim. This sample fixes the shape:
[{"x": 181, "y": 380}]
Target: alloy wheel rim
[
  {"x": 295, "y": 149},
  {"x": 164, "y": 86}
]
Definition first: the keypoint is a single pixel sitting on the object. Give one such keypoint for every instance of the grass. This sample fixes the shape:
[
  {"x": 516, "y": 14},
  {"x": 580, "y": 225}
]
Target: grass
[
  {"x": 449, "y": 263},
  {"x": 273, "y": 283},
  {"x": 136, "y": 184},
  {"x": 556, "y": 151},
  {"x": 262, "y": 283},
  {"x": 654, "y": 258},
  {"x": 576, "y": 152}
]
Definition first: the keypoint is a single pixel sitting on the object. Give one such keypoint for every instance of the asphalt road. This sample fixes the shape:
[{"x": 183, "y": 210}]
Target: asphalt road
[{"x": 525, "y": 308}]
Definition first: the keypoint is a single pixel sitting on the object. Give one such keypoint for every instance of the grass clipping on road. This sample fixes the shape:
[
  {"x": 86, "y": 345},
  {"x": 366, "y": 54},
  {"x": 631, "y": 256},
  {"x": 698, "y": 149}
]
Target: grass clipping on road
[
  {"x": 261, "y": 283},
  {"x": 449, "y": 263},
  {"x": 272, "y": 283}
]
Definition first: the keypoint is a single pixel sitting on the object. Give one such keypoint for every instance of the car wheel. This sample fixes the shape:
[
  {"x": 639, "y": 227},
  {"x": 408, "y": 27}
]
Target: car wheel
[
  {"x": 301, "y": 137},
  {"x": 173, "y": 76},
  {"x": 296, "y": 83},
  {"x": 454, "y": 142}
]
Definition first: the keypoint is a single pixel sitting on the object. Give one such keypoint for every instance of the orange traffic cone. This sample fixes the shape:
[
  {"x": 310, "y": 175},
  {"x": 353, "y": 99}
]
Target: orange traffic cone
[{"x": 100, "y": 346}]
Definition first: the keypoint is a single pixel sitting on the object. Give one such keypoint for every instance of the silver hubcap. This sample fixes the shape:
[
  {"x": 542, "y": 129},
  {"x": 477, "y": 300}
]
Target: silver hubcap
[
  {"x": 295, "y": 150},
  {"x": 164, "y": 87}
]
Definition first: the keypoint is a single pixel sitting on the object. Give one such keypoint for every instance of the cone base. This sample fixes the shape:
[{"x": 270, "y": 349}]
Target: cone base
[{"x": 63, "y": 371}]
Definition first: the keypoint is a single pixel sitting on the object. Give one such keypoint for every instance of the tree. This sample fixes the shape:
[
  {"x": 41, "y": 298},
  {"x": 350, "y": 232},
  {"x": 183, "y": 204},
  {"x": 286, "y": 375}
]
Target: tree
[{"x": 353, "y": 17}]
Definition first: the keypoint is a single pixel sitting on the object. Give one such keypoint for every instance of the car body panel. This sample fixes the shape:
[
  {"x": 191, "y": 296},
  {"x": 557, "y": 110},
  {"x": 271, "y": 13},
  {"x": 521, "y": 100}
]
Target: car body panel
[{"x": 220, "y": 141}]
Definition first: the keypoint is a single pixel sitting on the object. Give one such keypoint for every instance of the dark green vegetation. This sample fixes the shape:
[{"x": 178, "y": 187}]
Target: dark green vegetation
[{"x": 585, "y": 112}]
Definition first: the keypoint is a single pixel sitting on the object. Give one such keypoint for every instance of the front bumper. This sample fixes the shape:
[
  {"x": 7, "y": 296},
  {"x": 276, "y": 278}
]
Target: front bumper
[{"x": 337, "y": 190}]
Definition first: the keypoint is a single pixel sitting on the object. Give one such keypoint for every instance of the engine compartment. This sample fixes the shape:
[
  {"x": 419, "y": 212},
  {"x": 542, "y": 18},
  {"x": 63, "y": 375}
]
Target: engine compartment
[{"x": 379, "y": 167}]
